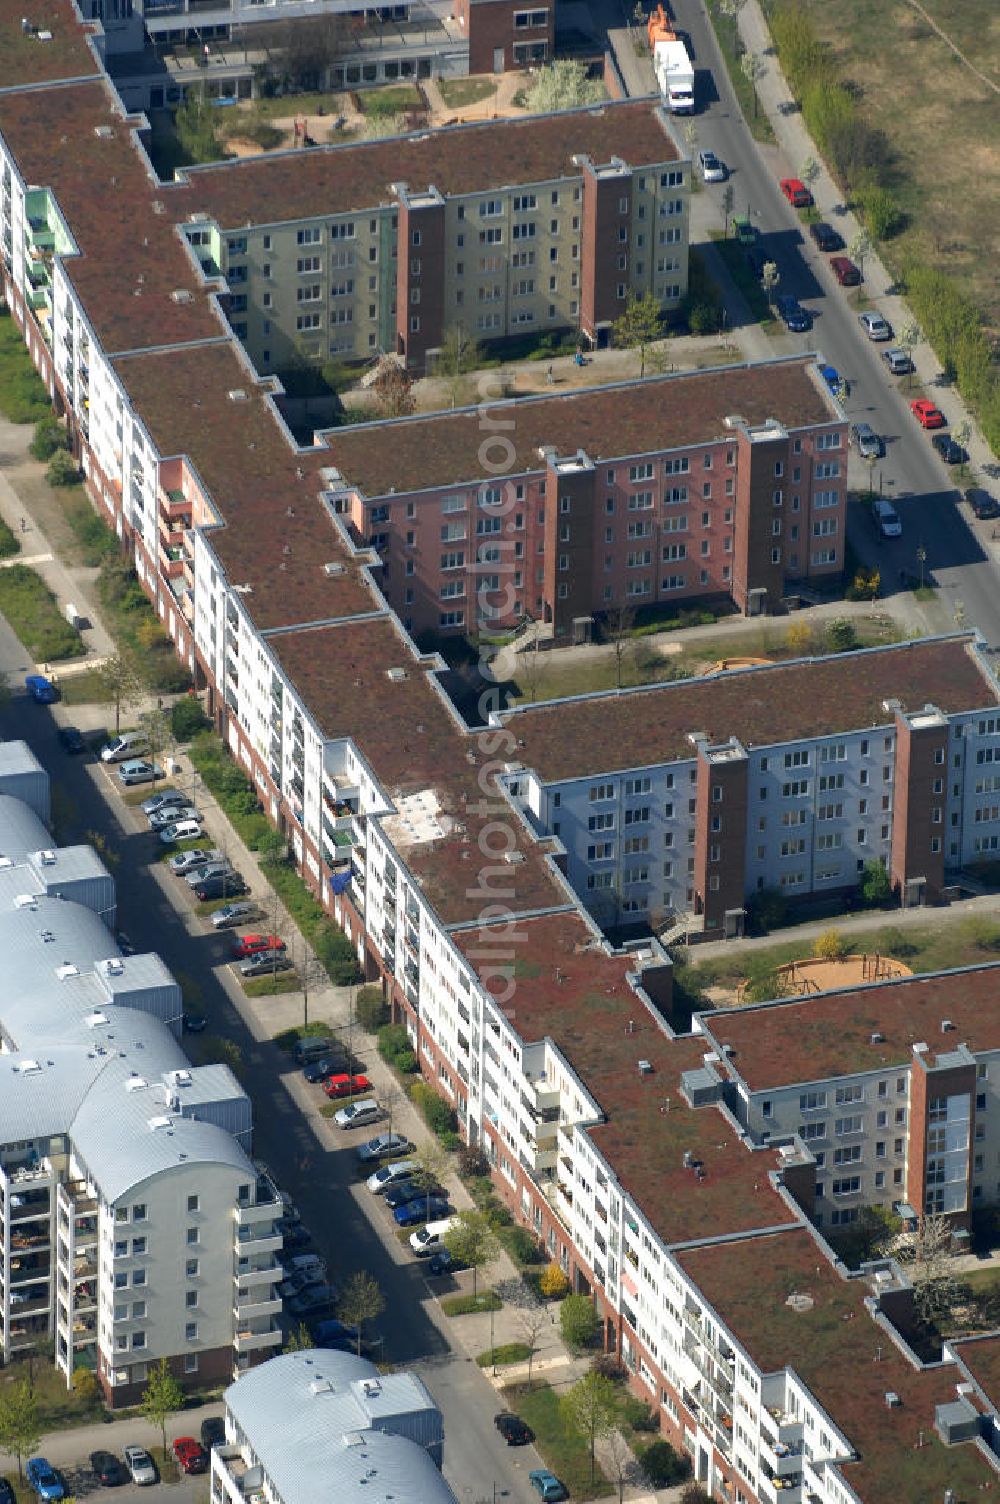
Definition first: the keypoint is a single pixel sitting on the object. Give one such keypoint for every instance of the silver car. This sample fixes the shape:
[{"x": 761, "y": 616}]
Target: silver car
[
  {"x": 211, "y": 869},
  {"x": 234, "y": 913},
  {"x": 875, "y": 326},
  {"x": 711, "y": 169},
  {"x": 866, "y": 441},
  {"x": 141, "y": 1468},
  {"x": 170, "y": 814}
]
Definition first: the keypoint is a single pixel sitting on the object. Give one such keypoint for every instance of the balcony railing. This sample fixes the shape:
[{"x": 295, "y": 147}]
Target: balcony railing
[{"x": 248, "y": 1340}]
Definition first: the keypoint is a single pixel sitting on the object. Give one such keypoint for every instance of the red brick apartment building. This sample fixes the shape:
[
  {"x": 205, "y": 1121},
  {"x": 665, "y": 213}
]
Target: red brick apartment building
[
  {"x": 507, "y": 34},
  {"x": 724, "y": 485}
]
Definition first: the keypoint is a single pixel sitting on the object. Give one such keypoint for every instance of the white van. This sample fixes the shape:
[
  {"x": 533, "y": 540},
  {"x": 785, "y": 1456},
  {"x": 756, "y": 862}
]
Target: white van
[
  {"x": 129, "y": 744},
  {"x": 430, "y": 1239},
  {"x": 304, "y": 1263},
  {"x": 888, "y": 519}
]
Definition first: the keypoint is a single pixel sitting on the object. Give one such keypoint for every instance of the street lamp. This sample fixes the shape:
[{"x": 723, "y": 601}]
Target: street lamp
[{"x": 921, "y": 560}]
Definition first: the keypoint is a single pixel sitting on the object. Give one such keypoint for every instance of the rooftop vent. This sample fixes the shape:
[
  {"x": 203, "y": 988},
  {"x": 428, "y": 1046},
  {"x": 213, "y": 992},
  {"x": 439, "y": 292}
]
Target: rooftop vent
[
  {"x": 104, "y": 131},
  {"x": 877, "y": 1038},
  {"x": 397, "y": 675},
  {"x": 920, "y": 1048},
  {"x": 28, "y": 1067},
  {"x": 96, "y": 1019},
  {"x": 800, "y": 1302},
  {"x": 159, "y": 1123},
  {"x": 47, "y": 858},
  {"x": 67, "y": 969},
  {"x": 159, "y": 207},
  {"x": 370, "y": 1387},
  {"x": 946, "y": 1025},
  {"x": 136, "y": 1083},
  {"x": 320, "y": 1386},
  {"x": 892, "y": 1399},
  {"x": 333, "y": 568},
  {"x": 243, "y": 589},
  {"x": 180, "y": 1078},
  {"x": 6, "y": 861},
  {"x": 182, "y": 295},
  {"x": 645, "y": 1067},
  {"x": 513, "y": 858},
  {"x": 237, "y": 394},
  {"x": 114, "y": 966},
  {"x": 24, "y": 901}
]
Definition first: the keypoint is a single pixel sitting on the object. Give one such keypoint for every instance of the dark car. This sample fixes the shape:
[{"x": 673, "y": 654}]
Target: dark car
[
  {"x": 319, "y": 1070},
  {"x": 264, "y": 963},
  {"x": 444, "y": 1263},
  {"x": 107, "y": 1469},
  {"x": 792, "y": 314},
  {"x": 950, "y": 451},
  {"x": 984, "y": 506},
  {"x": 213, "y": 1432},
  {"x": 293, "y": 1235},
  {"x": 311, "y": 1300},
  {"x": 334, "y": 1334},
  {"x": 406, "y": 1191},
  {"x": 71, "y": 739},
  {"x": 422, "y": 1210},
  {"x": 513, "y": 1429},
  {"x": 7, "y": 1494},
  {"x": 825, "y": 236},
  {"x": 227, "y": 885},
  {"x": 845, "y": 271},
  {"x": 194, "y": 1023},
  {"x": 166, "y": 799}
]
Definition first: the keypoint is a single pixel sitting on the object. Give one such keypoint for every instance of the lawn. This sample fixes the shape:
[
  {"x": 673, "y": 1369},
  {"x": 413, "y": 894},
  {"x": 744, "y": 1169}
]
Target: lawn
[
  {"x": 23, "y": 398},
  {"x": 459, "y": 93},
  {"x": 734, "y": 256},
  {"x": 503, "y": 1354},
  {"x": 84, "y": 689},
  {"x": 33, "y": 614},
  {"x": 289, "y": 1038},
  {"x": 283, "y": 981},
  {"x": 562, "y": 1449},
  {"x": 283, "y": 107},
  {"x": 393, "y": 99},
  {"x": 94, "y": 539},
  {"x": 731, "y": 47},
  {"x": 469, "y": 1305}
]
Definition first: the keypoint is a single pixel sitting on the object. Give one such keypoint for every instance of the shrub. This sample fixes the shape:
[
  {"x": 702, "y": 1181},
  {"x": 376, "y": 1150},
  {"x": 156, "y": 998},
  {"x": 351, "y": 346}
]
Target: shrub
[
  {"x": 663, "y": 1466},
  {"x": 695, "y": 1494},
  {"x": 637, "y": 1414},
  {"x": 450, "y": 1139},
  {"x": 9, "y": 545},
  {"x": 438, "y": 1116},
  {"x": 578, "y": 1321},
  {"x": 830, "y": 946},
  {"x": 62, "y": 469},
  {"x": 521, "y": 1246},
  {"x": 406, "y": 1063},
  {"x": 841, "y": 636},
  {"x": 880, "y": 213},
  {"x": 50, "y": 436},
  {"x": 187, "y": 718},
  {"x": 554, "y": 1284},
  {"x": 473, "y": 1164},
  {"x": 372, "y": 1009},
  {"x": 766, "y": 910},
  {"x": 875, "y": 885},
  {"x": 609, "y": 1366},
  {"x": 392, "y": 1040},
  {"x": 85, "y": 1385}
]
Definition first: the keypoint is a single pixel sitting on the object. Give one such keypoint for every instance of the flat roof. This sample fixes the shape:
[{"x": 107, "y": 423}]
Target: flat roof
[
  {"x": 414, "y": 745},
  {"x": 830, "y": 1034},
  {"x": 278, "y": 533},
  {"x": 130, "y": 259},
  {"x": 981, "y": 1356},
  {"x": 568, "y": 987},
  {"x": 848, "y": 1363},
  {"x": 25, "y": 61},
  {"x": 780, "y": 702},
  {"x": 291, "y": 185},
  {"x": 635, "y": 417}
]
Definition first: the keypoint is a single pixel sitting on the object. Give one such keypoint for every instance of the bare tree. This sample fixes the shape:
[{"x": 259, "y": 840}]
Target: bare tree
[
  {"x": 617, "y": 1453},
  {"x": 926, "y": 1253},
  {"x": 752, "y": 65},
  {"x": 909, "y": 338},
  {"x": 121, "y": 683},
  {"x": 620, "y": 621},
  {"x": 532, "y": 1317},
  {"x": 393, "y": 388},
  {"x": 860, "y": 249},
  {"x": 769, "y": 278}
]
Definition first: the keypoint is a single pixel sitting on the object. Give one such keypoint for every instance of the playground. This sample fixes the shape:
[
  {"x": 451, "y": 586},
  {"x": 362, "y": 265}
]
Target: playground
[{"x": 826, "y": 974}]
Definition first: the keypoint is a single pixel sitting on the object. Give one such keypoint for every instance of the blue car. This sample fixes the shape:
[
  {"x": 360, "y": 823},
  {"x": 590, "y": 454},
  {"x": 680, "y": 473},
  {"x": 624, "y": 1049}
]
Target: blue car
[
  {"x": 42, "y": 690},
  {"x": 547, "y": 1485},
  {"x": 44, "y": 1479},
  {"x": 420, "y": 1210},
  {"x": 838, "y": 386},
  {"x": 335, "y": 1334}
]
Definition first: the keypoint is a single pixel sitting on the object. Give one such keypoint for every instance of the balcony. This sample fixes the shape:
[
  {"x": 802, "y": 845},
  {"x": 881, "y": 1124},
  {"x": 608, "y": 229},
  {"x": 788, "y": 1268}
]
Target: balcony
[
  {"x": 249, "y": 1242},
  {"x": 260, "y": 1212},
  {"x": 249, "y": 1341},
  {"x": 250, "y": 1312},
  {"x": 778, "y": 1426},
  {"x": 248, "y": 1276},
  {"x": 782, "y": 1459},
  {"x": 780, "y": 1490},
  {"x": 247, "y": 1480},
  {"x": 172, "y": 562}
]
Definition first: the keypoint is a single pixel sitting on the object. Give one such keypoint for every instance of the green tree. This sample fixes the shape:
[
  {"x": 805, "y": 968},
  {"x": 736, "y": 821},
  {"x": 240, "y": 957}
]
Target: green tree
[
  {"x": 471, "y": 1240},
  {"x": 639, "y": 325},
  {"x": 432, "y": 1162},
  {"x": 161, "y": 1398},
  {"x": 187, "y": 718},
  {"x": 562, "y": 85},
  {"x": 85, "y": 1385},
  {"x": 121, "y": 683},
  {"x": 875, "y": 885},
  {"x": 155, "y": 724},
  {"x": 809, "y": 171},
  {"x": 963, "y": 433},
  {"x": 592, "y": 1408},
  {"x": 909, "y": 338},
  {"x": 841, "y": 636},
  {"x": 731, "y": 10},
  {"x": 457, "y": 355},
  {"x": 196, "y": 124},
  {"x": 372, "y": 1009},
  {"x": 50, "y": 436},
  {"x": 578, "y": 1320},
  {"x": 299, "y": 1341},
  {"x": 361, "y": 1301},
  {"x": 63, "y": 469},
  {"x": 881, "y": 212},
  {"x": 663, "y": 1466},
  {"x": 859, "y": 250},
  {"x": 20, "y": 1431}
]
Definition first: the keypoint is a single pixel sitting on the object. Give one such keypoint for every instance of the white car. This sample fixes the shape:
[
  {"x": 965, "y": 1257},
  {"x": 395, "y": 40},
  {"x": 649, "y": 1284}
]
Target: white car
[
  {"x": 712, "y": 170},
  {"x": 161, "y": 818},
  {"x": 184, "y": 830},
  {"x": 141, "y": 1467},
  {"x": 359, "y": 1114},
  {"x": 875, "y": 326},
  {"x": 389, "y": 1174}
]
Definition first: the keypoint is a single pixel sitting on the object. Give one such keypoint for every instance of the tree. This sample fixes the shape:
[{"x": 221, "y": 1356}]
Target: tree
[
  {"x": 50, "y": 436},
  {"x": 562, "y": 85},
  {"x": 909, "y": 338},
  {"x": 875, "y": 886},
  {"x": 187, "y": 718},
  {"x": 85, "y": 1385},
  {"x": 161, "y": 1398},
  {"x": 155, "y": 724},
  {"x": 592, "y": 1406},
  {"x": 471, "y": 1240},
  {"x": 120, "y": 681},
  {"x": 752, "y": 65},
  {"x": 62, "y": 469},
  {"x": 457, "y": 354},
  {"x": 299, "y": 1341},
  {"x": 639, "y": 325},
  {"x": 830, "y": 946},
  {"x": 731, "y": 10},
  {"x": 728, "y": 204},
  {"x": 578, "y": 1320},
  {"x": 859, "y": 250},
  {"x": 20, "y": 1431},
  {"x": 361, "y": 1301},
  {"x": 308, "y": 49},
  {"x": 809, "y": 171},
  {"x": 695, "y": 1494},
  {"x": 393, "y": 388},
  {"x": 618, "y": 1453},
  {"x": 432, "y": 1162},
  {"x": 554, "y": 1283},
  {"x": 620, "y": 620},
  {"x": 841, "y": 636},
  {"x": 372, "y": 1009},
  {"x": 963, "y": 433},
  {"x": 769, "y": 278},
  {"x": 531, "y": 1318},
  {"x": 926, "y": 1253},
  {"x": 799, "y": 638}
]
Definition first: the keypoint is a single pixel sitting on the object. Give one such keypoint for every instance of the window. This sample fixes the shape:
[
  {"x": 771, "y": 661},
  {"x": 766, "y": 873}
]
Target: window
[
  {"x": 191, "y": 1269},
  {"x": 192, "y": 1236},
  {"x": 190, "y": 1298},
  {"x": 194, "y": 1204},
  {"x": 191, "y": 1332},
  {"x": 139, "y": 1212},
  {"x": 138, "y": 1247},
  {"x": 190, "y": 1362}
]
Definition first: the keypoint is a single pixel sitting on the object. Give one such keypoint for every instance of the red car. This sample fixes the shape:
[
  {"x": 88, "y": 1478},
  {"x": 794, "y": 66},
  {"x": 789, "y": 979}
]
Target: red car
[
  {"x": 346, "y": 1086},
  {"x": 190, "y": 1455},
  {"x": 797, "y": 193},
  {"x": 926, "y": 414},
  {"x": 251, "y": 945},
  {"x": 845, "y": 271}
]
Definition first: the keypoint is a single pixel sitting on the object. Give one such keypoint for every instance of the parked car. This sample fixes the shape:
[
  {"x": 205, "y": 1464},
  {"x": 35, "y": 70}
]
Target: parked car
[
  {"x": 866, "y": 441},
  {"x": 213, "y": 1432},
  {"x": 797, "y": 193},
  {"x": 875, "y": 326},
  {"x": 898, "y": 361},
  {"x": 264, "y": 963},
  {"x": 215, "y": 868},
  {"x": 386, "y": 1176},
  {"x": 108, "y": 1469},
  {"x": 41, "y": 690},
  {"x": 71, "y": 739},
  {"x": 319, "y": 1070},
  {"x": 293, "y": 1235},
  {"x": 194, "y": 1023},
  {"x": 225, "y": 886},
  {"x": 984, "y": 506},
  {"x": 792, "y": 314},
  {"x": 711, "y": 169},
  {"x": 421, "y": 1209},
  {"x": 164, "y": 800},
  {"x": 346, "y": 1086},
  {"x": 382, "y": 1146},
  {"x": 129, "y": 744},
  {"x": 141, "y": 1467},
  {"x": 303, "y": 1263},
  {"x": 547, "y": 1486},
  {"x": 183, "y": 830},
  {"x": 7, "y": 1494},
  {"x": 186, "y": 862},
  {"x": 845, "y": 271},
  {"x": 251, "y": 945},
  {"x": 825, "y": 236},
  {"x": 405, "y": 1191},
  {"x": 312, "y": 1300},
  {"x": 170, "y": 814},
  {"x": 512, "y": 1428},
  {"x": 444, "y": 1263},
  {"x": 838, "y": 386},
  {"x": 334, "y": 1334},
  {"x": 359, "y": 1114},
  {"x": 44, "y": 1479},
  {"x": 137, "y": 770},
  {"x": 949, "y": 449},
  {"x": 234, "y": 913},
  {"x": 190, "y": 1455},
  {"x": 926, "y": 414},
  {"x": 301, "y": 1280}
]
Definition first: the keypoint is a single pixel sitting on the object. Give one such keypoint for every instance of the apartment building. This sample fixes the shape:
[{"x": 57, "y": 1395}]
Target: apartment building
[
  {"x": 691, "y": 797},
  {"x": 722, "y": 485},
  {"x": 422, "y": 233},
  {"x": 132, "y": 1225},
  {"x": 314, "y": 1420}
]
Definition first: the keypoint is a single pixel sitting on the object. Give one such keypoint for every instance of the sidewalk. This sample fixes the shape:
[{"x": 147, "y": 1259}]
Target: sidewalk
[{"x": 73, "y": 1445}]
